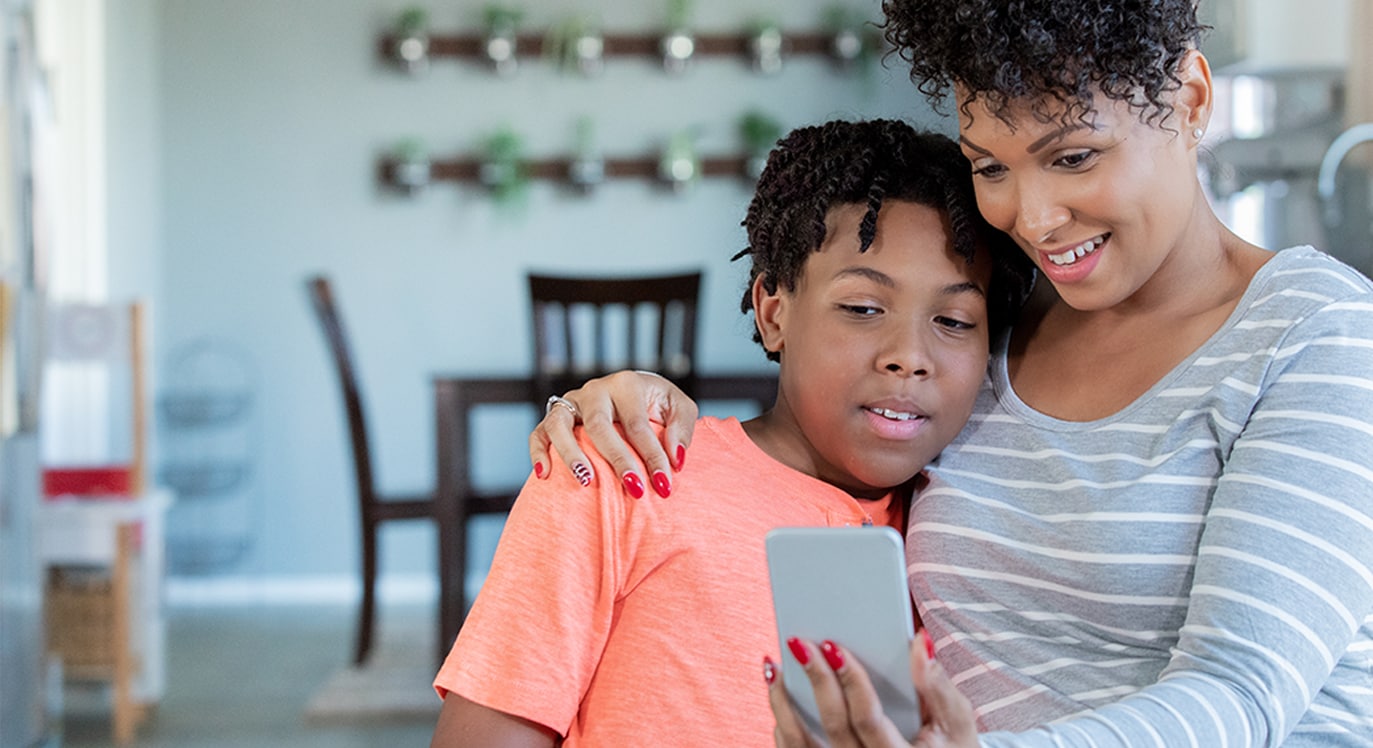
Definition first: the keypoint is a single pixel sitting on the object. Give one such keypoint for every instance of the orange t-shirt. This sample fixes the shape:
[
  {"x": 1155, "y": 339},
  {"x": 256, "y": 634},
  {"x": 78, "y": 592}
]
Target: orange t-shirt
[{"x": 624, "y": 622}]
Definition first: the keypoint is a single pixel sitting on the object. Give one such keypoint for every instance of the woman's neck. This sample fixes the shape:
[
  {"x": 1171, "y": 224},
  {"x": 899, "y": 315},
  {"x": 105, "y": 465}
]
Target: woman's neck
[{"x": 1084, "y": 365}]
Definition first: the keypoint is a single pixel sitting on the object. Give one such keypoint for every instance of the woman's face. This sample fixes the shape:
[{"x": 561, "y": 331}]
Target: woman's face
[{"x": 1099, "y": 206}]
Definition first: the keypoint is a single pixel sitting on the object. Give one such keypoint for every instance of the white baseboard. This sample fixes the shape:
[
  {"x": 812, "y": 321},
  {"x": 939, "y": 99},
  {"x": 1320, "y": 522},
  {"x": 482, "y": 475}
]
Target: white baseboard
[{"x": 340, "y": 589}]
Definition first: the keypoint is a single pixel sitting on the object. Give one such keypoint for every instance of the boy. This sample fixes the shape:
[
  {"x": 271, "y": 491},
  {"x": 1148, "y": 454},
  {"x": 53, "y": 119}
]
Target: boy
[{"x": 875, "y": 285}]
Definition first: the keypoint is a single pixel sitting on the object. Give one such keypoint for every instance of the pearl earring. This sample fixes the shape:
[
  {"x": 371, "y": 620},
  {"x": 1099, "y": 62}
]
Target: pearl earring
[{"x": 1198, "y": 132}]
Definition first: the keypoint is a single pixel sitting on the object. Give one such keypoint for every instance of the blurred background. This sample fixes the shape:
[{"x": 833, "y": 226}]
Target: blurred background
[{"x": 207, "y": 157}]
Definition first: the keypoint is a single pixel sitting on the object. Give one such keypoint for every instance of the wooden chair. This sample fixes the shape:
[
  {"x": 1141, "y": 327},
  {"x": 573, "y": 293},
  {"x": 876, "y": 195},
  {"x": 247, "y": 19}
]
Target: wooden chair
[
  {"x": 582, "y": 327},
  {"x": 374, "y": 508},
  {"x": 585, "y": 327}
]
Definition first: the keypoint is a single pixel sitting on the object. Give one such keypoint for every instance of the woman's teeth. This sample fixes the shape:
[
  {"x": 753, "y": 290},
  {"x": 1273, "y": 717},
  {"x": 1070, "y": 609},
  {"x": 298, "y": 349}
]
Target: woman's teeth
[
  {"x": 1081, "y": 250},
  {"x": 895, "y": 415}
]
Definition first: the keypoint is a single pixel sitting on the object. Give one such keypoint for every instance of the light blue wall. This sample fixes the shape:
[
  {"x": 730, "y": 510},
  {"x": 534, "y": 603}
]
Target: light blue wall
[{"x": 269, "y": 115}]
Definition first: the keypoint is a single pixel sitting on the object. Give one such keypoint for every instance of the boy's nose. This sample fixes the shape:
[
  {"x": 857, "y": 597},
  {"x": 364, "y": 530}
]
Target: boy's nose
[
  {"x": 896, "y": 368},
  {"x": 907, "y": 354}
]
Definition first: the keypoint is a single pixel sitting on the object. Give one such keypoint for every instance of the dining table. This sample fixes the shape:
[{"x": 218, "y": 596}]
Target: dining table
[{"x": 457, "y": 398}]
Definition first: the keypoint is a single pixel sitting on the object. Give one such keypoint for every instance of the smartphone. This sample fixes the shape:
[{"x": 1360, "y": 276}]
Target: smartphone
[{"x": 848, "y": 585}]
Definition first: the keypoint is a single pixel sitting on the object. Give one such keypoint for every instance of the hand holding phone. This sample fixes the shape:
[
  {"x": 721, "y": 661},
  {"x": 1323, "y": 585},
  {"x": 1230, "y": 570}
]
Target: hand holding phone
[{"x": 847, "y": 585}]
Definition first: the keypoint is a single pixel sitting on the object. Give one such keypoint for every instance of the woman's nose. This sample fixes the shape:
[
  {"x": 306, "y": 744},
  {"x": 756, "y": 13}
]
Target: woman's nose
[{"x": 1039, "y": 214}]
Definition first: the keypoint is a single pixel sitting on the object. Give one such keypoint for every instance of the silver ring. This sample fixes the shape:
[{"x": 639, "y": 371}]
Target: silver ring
[{"x": 560, "y": 400}]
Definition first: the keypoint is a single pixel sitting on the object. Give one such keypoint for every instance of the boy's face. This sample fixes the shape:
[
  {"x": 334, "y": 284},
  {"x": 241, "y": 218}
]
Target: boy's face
[{"x": 882, "y": 352}]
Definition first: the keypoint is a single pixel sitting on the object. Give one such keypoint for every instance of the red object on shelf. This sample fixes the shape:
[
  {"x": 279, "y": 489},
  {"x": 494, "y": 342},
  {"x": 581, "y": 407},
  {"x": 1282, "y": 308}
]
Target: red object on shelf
[{"x": 107, "y": 480}]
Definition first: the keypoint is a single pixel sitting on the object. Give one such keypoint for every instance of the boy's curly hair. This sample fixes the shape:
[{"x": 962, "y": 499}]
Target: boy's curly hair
[
  {"x": 814, "y": 169},
  {"x": 1049, "y": 53}
]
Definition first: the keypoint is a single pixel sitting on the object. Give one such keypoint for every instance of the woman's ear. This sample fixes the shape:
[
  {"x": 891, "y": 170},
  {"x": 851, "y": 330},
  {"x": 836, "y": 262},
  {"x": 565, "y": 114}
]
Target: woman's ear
[
  {"x": 769, "y": 314},
  {"x": 1195, "y": 96}
]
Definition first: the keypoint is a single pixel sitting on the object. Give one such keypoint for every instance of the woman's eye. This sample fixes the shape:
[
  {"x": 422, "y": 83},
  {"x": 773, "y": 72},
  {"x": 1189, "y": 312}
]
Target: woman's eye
[
  {"x": 954, "y": 323},
  {"x": 1075, "y": 160},
  {"x": 989, "y": 171}
]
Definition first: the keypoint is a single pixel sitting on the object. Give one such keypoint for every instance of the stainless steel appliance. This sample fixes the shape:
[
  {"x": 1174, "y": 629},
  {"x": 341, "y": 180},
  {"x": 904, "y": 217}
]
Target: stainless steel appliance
[{"x": 1271, "y": 130}]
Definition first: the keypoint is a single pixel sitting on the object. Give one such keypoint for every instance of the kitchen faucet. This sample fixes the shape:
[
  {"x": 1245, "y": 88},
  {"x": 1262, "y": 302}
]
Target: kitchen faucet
[{"x": 1325, "y": 178}]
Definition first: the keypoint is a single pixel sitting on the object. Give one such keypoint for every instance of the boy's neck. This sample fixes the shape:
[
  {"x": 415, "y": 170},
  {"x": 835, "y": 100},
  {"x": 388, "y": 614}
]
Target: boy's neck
[{"x": 777, "y": 439}]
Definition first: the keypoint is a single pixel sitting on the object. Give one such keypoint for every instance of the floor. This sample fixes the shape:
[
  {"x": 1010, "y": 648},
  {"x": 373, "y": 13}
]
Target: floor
[{"x": 241, "y": 676}]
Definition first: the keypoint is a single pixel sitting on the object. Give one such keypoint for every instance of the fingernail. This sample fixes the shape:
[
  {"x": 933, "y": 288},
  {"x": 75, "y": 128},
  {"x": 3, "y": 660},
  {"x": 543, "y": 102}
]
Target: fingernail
[
  {"x": 633, "y": 485},
  {"x": 769, "y": 670},
  {"x": 929, "y": 644},
  {"x": 661, "y": 484},
  {"x": 538, "y": 470},
  {"x": 798, "y": 650},
  {"x": 681, "y": 457},
  {"x": 582, "y": 472},
  {"x": 832, "y": 655}
]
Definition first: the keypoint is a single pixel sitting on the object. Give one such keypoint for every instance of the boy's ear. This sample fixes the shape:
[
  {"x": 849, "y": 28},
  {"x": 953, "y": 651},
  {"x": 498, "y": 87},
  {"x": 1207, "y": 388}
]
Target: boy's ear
[{"x": 769, "y": 315}]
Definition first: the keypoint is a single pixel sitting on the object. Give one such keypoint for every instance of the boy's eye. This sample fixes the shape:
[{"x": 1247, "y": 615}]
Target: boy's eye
[
  {"x": 860, "y": 309},
  {"x": 954, "y": 323}
]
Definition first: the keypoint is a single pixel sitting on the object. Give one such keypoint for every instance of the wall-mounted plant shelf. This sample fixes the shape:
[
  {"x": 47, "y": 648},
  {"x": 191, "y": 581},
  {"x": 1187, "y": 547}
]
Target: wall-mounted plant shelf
[
  {"x": 531, "y": 45},
  {"x": 765, "y": 48},
  {"x": 390, "y": 170}
]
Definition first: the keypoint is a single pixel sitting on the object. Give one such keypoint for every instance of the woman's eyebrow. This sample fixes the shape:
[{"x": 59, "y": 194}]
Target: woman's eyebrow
[
  {"x": 1055, "y": 135},
  {"x": 974, "y": 146},
  {"x": 1033, "y": 147}
]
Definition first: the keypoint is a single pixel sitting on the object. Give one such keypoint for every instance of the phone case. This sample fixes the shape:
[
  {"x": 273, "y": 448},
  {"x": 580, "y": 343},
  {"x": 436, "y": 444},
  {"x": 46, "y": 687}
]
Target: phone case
[{"x": 848, "y": 585}]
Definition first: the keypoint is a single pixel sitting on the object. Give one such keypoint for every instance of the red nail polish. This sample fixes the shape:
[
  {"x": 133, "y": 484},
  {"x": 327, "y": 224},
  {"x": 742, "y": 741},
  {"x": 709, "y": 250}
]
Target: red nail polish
[
  {"x": 633, "y": 485},
  {"x": 832, "y": 655},
  {"x": 798, "y": 650},
  {"x": 583, "y": 473},
  {"x": 538, "y": 470},
  {"x": 681, "y": 457},
  {"x": 769, "y": 670},
  {"x": 929, "y": 644},
  {"x": 661, "y": 484}
]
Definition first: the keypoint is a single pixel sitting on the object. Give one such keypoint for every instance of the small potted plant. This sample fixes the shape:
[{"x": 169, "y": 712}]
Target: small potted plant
[
  {"x": 502, "y": 169},
  {"x": 577, "y": 45},
  {"x": 850, "y": 41},
  {"x": 680, "y": 166},
  {"x": 677, "y": 45},
  {"x": 760, "y": 133},
  {"x": 501, "y": 22},
  {"x": 765, "y": 44},
  {"x": 587, "y": 169},
  {"x": 411, "y": 170},
  {"x": 412, "y": 40}
]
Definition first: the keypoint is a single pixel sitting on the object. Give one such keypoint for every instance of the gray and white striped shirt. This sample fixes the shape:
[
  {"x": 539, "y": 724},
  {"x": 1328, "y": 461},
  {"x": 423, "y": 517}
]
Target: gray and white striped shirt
[{"x": 1196, "y": 569}]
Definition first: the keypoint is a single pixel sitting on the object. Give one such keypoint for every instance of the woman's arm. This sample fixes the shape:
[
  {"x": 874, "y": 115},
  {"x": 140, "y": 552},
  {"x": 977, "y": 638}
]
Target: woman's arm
[
  {"x": 633, "y": 399},
  {"x": 467, "y": 723}
]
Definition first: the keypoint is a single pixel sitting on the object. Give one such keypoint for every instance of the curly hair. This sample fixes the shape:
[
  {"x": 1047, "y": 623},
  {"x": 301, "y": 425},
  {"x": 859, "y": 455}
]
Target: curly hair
[
  {"x": 814, "y": 169},
  {"x": 1055, "y": 55}
]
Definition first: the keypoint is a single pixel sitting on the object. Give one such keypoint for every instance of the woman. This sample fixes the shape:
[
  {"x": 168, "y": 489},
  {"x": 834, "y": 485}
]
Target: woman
[{"x": 1157, "y": 527}]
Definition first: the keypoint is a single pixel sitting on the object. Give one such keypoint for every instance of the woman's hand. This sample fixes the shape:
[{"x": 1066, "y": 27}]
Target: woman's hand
[
  {"x": 632, "y": 399},
  {"x": 851, "y": 712}
]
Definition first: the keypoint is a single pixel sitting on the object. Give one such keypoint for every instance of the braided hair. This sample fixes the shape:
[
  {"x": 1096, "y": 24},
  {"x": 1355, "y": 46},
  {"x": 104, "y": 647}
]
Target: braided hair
[
  {"x": 1055, "y": 55},
  {"x": 814, "y": 169}
]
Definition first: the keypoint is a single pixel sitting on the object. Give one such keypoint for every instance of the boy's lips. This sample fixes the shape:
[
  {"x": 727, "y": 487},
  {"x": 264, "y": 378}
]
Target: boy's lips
[
  {"x": 895, "y": 414},
  {"x": 895, "y": 421}
]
